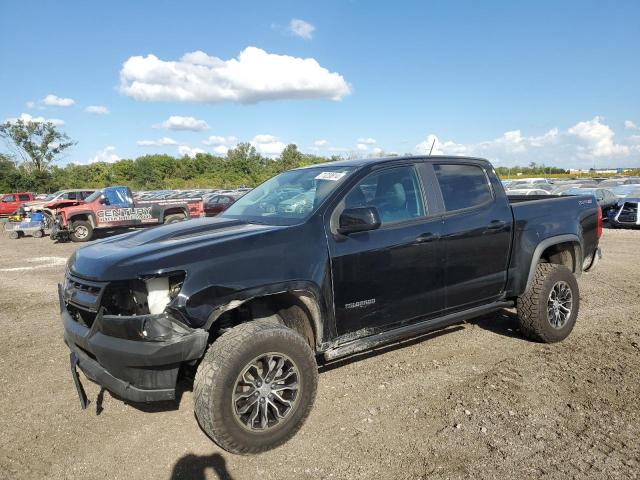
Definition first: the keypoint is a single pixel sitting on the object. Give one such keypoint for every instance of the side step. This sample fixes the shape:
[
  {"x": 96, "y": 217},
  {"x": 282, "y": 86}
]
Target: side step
[{"x": 409, "y": 331}]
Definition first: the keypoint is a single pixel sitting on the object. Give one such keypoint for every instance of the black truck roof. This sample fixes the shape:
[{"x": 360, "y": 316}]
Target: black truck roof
[{"x": 360, "y": 162}]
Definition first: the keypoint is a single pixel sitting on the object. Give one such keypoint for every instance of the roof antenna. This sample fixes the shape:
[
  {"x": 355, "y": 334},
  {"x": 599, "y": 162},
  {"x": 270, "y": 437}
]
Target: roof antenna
[{"x": 432, "y": 144}]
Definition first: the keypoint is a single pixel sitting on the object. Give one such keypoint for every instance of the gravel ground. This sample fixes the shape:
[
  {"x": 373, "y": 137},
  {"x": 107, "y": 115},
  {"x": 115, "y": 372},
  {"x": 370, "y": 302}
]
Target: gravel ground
[{"x": 474, "y": 401}]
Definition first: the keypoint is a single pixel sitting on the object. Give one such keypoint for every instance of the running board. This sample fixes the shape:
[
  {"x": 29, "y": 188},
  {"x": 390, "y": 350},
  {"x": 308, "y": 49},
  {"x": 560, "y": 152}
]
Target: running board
[{"x": 408, "y": 331}]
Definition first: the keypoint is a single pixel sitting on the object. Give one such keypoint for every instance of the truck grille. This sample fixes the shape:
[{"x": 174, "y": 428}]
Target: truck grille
[{"x": 83, "y": 294}]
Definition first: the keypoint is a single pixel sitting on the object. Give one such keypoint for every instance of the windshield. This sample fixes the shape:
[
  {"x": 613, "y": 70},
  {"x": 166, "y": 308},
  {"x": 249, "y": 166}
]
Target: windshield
[
  {"x": 93, "y": 196},
  {"x": 290, "y": 197},
  {"x": 51, "y": 196}
]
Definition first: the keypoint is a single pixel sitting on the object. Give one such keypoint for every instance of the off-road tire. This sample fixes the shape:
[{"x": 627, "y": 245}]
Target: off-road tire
[
  {"x": 532, "y": 305},
  {"x": 175, "y": 218},
  {"x": 14, "y": 235},
  {"x": 38, "y": 234},
  {"x": 81, "y": 223},
  {"x": 221, "y": 366}
]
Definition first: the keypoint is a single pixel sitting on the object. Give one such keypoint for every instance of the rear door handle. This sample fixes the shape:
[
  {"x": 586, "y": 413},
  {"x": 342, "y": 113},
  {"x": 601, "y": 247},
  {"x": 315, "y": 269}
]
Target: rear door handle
[
  {"x": 427, "y": 237},
  {"x": 495, "y": 225}
]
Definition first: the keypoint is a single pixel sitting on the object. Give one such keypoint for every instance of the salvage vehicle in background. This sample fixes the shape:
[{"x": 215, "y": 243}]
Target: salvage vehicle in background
[
  {"x": 388, "y": 249},
  {"x": 218, "y": 203},
  {"x": 10, "y": 202},
  {"x": 605, "y": 198},
  {"x": 625, "y": 214},
  {"x": 114, "y": 207}
]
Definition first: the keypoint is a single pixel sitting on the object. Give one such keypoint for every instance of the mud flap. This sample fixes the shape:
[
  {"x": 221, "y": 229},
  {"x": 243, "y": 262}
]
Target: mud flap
[{"x": 76, "y": 379}]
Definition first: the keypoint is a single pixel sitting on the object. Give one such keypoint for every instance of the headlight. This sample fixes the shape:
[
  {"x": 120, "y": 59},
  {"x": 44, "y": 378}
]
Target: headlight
[{"x": 161, "y": 290}]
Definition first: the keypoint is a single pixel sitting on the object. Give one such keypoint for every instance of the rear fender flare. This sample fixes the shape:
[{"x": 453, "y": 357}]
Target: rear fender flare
[{"x": 551, "y": 241}]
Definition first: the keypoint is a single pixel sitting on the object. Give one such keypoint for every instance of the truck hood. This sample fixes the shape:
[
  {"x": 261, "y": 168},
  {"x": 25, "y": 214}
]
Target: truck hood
[{"x": 166, "y": 248}]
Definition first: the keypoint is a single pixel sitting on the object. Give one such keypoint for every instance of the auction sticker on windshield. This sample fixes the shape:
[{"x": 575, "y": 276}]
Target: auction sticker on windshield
[{"x": 333, "y": 176}]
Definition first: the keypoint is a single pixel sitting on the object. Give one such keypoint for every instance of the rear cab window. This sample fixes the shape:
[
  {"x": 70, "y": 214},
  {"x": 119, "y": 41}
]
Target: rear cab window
[{"x": 463, "y": 186}]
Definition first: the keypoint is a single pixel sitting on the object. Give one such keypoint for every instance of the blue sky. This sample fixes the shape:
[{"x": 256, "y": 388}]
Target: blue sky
[{"x": 515, "y": 82}]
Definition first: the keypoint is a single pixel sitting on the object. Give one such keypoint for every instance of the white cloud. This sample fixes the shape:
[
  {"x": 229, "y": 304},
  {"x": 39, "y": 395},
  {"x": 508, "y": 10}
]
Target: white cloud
[
  {"x": 176, "y": 122},
  {"x": 268, "y": 145},
  {"x": 629, "y": 125},
  {"x": 55, "y": 101},
  {"x": 321, "y": 143},
  {"x": 362, "y": 147},
  {"x": 252, "y": 77},
  {"x": 367, "y": 141},
  {"x": 577, "y": 146},
  {"x": 598, "y": 138},
  {"x": 220, "y": 140},
  {"x": 301, "y": 29},
  {"x": 377, "y": 151},
  {"x": 221, "y": 149},
  {"x": 107, "y": 154},
  {"x": 188, "y": 151},
  {"x": 31, "y": 104},
  {"x": 156, "y": 143},
  {"x": 97, "y": 109},
  {"x": 25, "y": 117}
]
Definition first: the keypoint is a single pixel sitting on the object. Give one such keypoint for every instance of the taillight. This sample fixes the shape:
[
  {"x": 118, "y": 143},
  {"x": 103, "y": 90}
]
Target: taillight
[{"x": 599, "y": 223}]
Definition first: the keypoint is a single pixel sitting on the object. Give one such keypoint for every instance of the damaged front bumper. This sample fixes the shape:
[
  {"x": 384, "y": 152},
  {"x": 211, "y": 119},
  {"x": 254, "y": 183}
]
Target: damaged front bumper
[
  {"x": 59, "y": 232},
  {"x": 135, "y": 357}
]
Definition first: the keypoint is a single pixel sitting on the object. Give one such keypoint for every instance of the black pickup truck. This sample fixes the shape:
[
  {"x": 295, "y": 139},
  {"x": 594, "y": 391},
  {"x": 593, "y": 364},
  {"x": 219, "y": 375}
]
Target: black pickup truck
[{"x": 316, "y": 264}]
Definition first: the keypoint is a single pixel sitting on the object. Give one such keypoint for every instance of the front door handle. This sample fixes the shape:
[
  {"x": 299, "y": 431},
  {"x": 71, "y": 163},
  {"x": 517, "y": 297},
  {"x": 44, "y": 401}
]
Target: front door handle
[
  {"x": 427, "y": 237},
  {"x": 495, "y": 225}
]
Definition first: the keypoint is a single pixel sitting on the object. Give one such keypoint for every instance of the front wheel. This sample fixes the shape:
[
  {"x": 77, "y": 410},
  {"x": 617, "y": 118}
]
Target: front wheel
[
  {"x": 255, "y": 387},
  {"x": 548, "y": 310},
  {"x": 81, "y": 231}
]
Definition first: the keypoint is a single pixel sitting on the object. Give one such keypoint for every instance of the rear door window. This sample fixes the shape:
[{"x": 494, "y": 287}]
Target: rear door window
[
  {"x": 463, "y": 186},
  {"x": 24, "y": 198}
]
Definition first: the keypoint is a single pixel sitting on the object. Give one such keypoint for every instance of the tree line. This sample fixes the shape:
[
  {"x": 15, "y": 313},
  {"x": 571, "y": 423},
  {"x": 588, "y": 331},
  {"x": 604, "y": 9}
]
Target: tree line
[{"x": 36, "y": 146}]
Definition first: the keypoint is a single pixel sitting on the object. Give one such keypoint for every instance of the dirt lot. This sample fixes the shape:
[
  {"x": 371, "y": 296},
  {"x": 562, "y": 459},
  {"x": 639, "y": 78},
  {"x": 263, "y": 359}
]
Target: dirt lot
[{"x": 475, "y": 401}]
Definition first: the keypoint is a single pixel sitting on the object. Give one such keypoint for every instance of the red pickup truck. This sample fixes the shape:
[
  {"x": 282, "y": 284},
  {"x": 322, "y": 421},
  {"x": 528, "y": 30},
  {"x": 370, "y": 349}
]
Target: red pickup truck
[
  {"x": 114, "y": 207},
  {"x": 10, "y": 202}
]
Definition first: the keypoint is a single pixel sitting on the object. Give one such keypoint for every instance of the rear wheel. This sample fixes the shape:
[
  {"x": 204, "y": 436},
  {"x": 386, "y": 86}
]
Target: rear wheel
[
  {"x": 548, "y": 310},
  {"x": 175, "y": 218},
  {"x": 255, "y": 387},
  {"x": 81, "y": 231},
  {"x": 14, "y": 235},
  {"x": 38, "y": 234}
]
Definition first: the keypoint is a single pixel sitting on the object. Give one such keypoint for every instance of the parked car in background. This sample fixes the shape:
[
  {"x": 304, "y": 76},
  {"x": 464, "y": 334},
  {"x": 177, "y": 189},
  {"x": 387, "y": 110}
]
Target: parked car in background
[
  {"x": 605, "y": 198},
  {"x": 625, "y": 213},
  {"x": 10, "y": 202},
  {"x": 622, "y": 191},
  {"x": 218, "y": 203},
  {"x": 527, "y": 191},
  {"x": 60, "y": 199},
  {"x": 528, "y": 183}
]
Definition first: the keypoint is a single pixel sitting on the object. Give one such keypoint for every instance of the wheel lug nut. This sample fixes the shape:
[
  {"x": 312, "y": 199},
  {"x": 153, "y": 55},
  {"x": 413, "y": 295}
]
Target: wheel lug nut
[{"x": 262, "y": 400}]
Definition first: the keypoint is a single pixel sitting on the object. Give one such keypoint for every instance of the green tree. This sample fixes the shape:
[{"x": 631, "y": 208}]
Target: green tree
[
  {"x": 291, "y": 157},
  {"x": 38, "y": 144},
  {"x": 8, "y": 173}
]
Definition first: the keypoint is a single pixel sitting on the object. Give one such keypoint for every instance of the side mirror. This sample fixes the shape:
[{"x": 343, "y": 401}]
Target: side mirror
[{"x": 360, "y": 219}]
